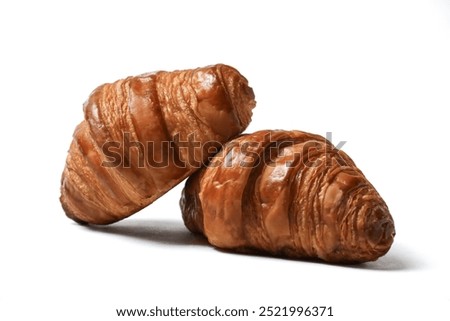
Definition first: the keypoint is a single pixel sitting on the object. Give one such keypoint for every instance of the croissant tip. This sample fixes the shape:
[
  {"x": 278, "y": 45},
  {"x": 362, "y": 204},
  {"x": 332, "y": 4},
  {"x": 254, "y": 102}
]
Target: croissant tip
[
  {"x": 69, "y": 213},
  {"x": 380, "y": 231},
  {"x": 241, "y": 94}
]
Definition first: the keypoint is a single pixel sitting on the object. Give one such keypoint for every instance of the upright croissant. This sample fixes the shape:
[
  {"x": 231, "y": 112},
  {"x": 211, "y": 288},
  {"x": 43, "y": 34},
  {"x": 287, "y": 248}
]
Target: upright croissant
[
  {"x": 143, "y": 135},
  {"x": 288, "y": 193}
]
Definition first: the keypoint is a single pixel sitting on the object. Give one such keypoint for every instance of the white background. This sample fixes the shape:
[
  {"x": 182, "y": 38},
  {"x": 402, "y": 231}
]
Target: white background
[{"x": 375, "y": 73}]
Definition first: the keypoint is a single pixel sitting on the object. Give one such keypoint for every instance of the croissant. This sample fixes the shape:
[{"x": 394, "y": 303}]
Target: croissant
[
  {"x": 290, "y": 194},
  {"x": 143, "y": 135}
]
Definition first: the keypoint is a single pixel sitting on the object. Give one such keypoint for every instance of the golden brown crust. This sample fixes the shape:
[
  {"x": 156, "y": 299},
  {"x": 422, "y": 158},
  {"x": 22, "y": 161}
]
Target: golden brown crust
[
  {"x": 291, "y": 194},
  {"x": 143, "y": 135}
]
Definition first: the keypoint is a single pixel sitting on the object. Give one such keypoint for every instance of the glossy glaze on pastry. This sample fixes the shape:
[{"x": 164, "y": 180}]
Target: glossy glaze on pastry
[
  {"x": 143, "y": 135},
  {"x": 290, "y": 194}
]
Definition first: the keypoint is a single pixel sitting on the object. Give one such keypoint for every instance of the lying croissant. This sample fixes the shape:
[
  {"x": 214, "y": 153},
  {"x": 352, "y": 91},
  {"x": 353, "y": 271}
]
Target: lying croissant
[
  {"x": 143, "y": 135},
  {"x": 291, "y": 194}
]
